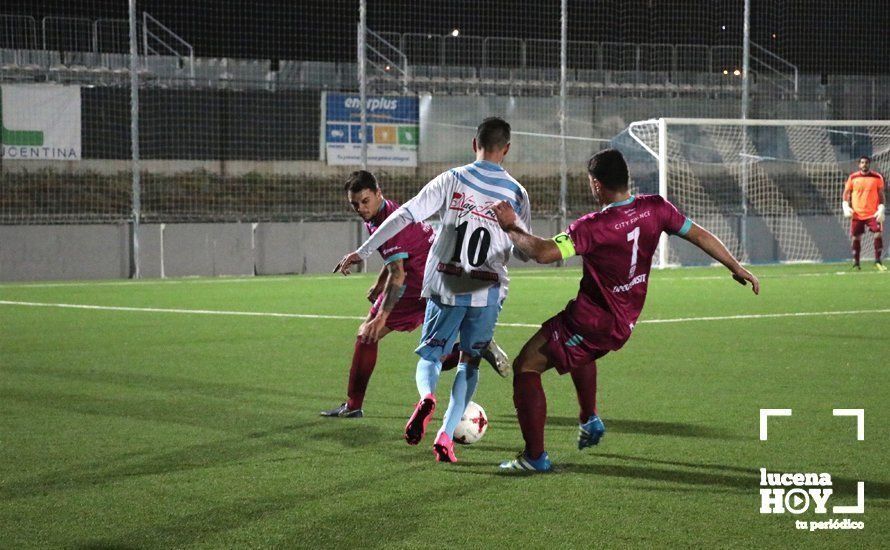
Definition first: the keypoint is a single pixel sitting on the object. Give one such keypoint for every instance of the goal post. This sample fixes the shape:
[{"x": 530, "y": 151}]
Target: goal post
[{"x": 770, "y": 189}]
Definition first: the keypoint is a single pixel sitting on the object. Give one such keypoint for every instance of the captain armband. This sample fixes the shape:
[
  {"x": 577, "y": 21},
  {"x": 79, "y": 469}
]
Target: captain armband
[{"x": 565, "y": 245}]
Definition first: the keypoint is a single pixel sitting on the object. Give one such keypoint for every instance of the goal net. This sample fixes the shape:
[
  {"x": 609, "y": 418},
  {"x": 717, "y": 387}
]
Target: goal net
[{"x": 770, "y": 189}]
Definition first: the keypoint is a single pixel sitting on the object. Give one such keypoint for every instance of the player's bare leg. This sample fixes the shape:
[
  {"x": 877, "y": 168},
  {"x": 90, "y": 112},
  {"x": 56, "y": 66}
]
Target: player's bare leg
[
  {"x": 531, "y": 404},
  {"x": 364, "y": 359}
]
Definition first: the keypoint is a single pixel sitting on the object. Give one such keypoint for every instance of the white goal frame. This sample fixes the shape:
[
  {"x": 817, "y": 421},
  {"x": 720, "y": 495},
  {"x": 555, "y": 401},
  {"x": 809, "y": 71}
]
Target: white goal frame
[{"x": 661, "y": 154}]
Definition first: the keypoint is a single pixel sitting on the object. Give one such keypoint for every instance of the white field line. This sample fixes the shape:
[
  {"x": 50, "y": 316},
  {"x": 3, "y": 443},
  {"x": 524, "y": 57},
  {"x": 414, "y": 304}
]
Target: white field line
[
  {"x": 531, "y": 274},
  {"x": 357, "y": 318},
  {"x": 726, "y": 277},
  {"x": 185, "y": 311}
]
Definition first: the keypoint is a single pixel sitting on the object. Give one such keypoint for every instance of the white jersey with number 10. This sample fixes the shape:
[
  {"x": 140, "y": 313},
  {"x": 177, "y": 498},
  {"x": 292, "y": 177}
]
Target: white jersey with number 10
[{"x": 469, "y": 237}]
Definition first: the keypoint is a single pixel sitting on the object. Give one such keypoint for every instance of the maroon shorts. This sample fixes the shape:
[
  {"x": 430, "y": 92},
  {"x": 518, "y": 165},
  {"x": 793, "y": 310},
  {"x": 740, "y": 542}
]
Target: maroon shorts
[
  {"x": 406, "y": 316},
  {"x": 857, "y": 227},
  {"x": 566, "y": 347}
]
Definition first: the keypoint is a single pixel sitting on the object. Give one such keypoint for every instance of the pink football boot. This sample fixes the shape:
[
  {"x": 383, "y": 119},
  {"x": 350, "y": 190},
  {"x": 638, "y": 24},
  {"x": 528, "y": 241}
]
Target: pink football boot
[
  {"x": 443, "y": 448},
  {"x": 423, "y": 413}
]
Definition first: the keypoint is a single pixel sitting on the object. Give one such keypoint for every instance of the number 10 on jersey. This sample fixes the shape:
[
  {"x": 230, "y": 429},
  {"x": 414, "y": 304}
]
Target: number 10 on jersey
[{"x": 477, "y": 247}]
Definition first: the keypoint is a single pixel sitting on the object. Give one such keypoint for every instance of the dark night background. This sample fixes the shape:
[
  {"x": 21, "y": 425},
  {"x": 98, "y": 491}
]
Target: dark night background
[{"x": 820, "y": 36}]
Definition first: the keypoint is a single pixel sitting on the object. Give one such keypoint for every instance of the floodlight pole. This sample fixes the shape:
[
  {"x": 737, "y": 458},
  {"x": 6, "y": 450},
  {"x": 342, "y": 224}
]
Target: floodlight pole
[
  {"x": 563, "y": 159},
  {"x": 746, "y": 81},
  {"x": 363, "y": 78},
  {"x": 134, "y": 144}
]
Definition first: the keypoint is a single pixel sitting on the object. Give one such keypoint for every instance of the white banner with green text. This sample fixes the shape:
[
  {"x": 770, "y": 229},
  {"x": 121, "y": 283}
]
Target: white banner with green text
[{"x": 40, "y": 122}]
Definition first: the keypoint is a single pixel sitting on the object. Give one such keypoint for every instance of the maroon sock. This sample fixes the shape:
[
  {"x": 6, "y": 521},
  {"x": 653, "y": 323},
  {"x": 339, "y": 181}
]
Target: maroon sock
[
  {"x": 363, "y": 361},
  {"x": 857, "y": 246},
  {"x": 450, "y": 360},
  {"x": 531, "y": 410},
  {"x": 584, "y": 378},
  {"x": 879, "y": 246}
]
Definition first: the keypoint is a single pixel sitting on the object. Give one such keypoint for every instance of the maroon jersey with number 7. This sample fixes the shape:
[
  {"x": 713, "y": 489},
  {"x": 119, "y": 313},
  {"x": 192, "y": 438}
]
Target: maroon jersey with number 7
[{"x": 617, "y": 245}]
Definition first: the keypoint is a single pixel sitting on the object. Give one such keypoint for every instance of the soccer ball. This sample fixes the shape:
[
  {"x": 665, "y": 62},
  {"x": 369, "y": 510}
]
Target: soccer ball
[{"x": 472, "y": 425}]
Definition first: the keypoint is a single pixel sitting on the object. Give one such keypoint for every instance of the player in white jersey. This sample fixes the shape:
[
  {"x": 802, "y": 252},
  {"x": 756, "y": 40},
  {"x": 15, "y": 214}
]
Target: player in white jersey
[{"x": 465, "y": 280}]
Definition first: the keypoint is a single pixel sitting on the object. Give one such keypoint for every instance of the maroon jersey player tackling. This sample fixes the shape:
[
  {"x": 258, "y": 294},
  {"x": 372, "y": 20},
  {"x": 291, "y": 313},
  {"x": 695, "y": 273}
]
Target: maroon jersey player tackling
[
  {"x": 397, "y": 304},
  {"x": 617, "y": 245}
]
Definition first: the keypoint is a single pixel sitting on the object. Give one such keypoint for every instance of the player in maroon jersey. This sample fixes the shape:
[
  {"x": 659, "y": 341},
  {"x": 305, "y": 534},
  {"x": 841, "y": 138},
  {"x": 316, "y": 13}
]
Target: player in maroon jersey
[
  {"x": 617, "y": 245},
  {"x": 396, "y": 294}
]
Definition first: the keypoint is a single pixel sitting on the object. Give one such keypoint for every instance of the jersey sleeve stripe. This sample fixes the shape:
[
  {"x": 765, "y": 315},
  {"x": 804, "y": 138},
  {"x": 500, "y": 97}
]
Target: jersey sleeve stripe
[
  {"x": 687, "y": 225},
  {"x": 516, "y": 206},
  {"x": 497, "y": 185},
  {"x": 498, "y": 180},
  {"x": 395, "y": 257}
]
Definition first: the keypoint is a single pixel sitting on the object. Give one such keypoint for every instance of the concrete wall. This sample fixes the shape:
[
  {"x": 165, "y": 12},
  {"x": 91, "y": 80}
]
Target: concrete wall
[
  {"x": 54, "y": 252},
  {"x": 67, "y": 252}
]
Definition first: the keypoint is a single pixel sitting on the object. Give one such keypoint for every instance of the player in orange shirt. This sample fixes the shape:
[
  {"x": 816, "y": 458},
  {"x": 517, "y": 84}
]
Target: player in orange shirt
[{"x": 864, "y": 202}]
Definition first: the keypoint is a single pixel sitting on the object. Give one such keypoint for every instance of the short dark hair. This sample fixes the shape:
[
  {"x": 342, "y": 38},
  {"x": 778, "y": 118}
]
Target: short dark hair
[
  {"x": 866, "y": 157},
  {"x": 610, "y": 168},
  {"x": 493, "y": 133},
  {"x": 361, "y": 179}
]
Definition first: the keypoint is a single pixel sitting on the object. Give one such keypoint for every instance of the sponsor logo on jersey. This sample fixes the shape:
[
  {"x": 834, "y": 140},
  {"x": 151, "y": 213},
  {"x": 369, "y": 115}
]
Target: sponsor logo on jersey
[
  {"x": 641, "y": 278},
  {"x": 466, "y": 205},
  {"x": 633, "y": 220}
]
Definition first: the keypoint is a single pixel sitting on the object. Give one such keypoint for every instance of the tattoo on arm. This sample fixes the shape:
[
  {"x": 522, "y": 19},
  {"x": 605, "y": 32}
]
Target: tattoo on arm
[
  {"x": 523, "y": 241},
  {"x": 381, "y": 277},
  {"x": 393, "y": 295},
  {"x": 543, "y": 251},
  {"x": 395, "y": 285}
]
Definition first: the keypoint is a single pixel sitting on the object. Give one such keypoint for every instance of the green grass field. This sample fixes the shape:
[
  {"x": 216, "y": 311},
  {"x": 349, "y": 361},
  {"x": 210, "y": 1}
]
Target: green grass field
[{"x": 132, "y": 428}]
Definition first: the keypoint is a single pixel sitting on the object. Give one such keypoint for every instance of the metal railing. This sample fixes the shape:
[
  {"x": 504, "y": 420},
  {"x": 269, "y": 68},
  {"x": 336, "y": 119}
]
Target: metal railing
[
  {"x": 69, "y": 34},
  {"x": 92, "y": 42},
  {"x": 517, "y": 53},
  {"x": 789, "y": 77},
  {"x": 386, "y": 60},
  {"x": 153, "y": 42},
  {"x": 18, "y": 32}
]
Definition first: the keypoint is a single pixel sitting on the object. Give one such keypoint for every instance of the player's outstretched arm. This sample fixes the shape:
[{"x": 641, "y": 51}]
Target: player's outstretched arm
[
  {"x": 418, "y": 209},
  {"x": 543, "y": 251},
  {"x": 398, "y": 220},
  {"x": 715, "y": 248}
]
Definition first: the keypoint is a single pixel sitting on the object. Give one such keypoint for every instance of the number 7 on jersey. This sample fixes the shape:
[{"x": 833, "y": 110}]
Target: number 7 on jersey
[{"x": 635, "y": 237}]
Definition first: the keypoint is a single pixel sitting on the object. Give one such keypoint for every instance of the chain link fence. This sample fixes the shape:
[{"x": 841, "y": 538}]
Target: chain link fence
[{"x": 236, "y": 118}]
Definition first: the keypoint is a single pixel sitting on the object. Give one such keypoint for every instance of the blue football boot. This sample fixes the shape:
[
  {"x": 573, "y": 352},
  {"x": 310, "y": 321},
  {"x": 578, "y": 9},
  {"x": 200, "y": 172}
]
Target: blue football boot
[
  {"x": 590, "y": 433},
  {"x": 524, "y": 464}
]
